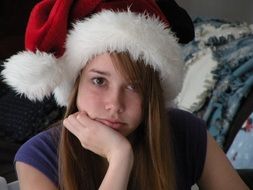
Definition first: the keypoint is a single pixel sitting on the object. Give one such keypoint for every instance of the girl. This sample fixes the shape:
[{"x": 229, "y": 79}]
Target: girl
[{"x": 116, "y": 72}]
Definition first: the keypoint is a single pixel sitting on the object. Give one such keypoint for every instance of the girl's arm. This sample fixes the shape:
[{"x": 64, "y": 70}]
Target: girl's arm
[
  {"x": 32, "y": 179},
  {"x": 107, "y": 143},
  {"x": 218, "y": 173},
  {"x": 119, "y": 169}
]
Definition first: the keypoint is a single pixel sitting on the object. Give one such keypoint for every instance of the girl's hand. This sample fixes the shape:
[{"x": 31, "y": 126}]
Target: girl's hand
[
  {"x": 97, "y": 137},
  {"x": 107, "y": 143}
]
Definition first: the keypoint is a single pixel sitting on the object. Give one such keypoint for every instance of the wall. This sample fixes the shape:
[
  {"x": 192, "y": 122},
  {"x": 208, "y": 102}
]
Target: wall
[{"x": 233, "y": 10}]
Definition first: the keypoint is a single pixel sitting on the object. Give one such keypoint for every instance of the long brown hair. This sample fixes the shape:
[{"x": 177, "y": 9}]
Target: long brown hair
[{"x": 151, "y": 141}]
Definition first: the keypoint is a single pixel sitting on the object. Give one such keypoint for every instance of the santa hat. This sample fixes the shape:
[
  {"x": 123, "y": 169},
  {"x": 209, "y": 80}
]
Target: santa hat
[{"x": 55, "y": 54}]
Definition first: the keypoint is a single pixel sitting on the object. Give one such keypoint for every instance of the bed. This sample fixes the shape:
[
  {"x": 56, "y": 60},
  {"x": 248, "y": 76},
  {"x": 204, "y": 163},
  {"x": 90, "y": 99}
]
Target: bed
[{"x": 218, "y": 84}]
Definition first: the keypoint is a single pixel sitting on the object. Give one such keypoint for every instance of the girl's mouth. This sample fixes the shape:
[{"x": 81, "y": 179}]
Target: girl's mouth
[{"x": 114, "y": 124}]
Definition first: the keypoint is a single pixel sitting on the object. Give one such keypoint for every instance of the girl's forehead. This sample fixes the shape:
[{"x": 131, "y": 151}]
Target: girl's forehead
[
  {"x": 120, "y": 63},
  {"x": 100, "y": 61},
  {"x": 102, "y": 64}
]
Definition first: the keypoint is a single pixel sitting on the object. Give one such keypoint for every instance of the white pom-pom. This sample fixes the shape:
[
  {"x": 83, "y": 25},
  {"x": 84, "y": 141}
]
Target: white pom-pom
[{"x": 34, "y": 75}]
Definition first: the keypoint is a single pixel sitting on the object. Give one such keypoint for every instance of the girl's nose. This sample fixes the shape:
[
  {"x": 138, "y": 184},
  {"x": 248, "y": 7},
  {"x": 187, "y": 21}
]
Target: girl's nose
[{"x": 115, "y": 102}]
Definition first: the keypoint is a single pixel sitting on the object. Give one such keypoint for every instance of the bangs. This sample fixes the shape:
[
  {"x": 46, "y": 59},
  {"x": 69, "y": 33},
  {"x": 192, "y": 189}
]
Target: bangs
[{"x": 136, "y": 72}]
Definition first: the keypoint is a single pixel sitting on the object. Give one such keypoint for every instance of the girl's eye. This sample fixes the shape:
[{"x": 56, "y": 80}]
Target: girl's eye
[
  {"x": 99, "y": 81},
  {"x": 131, "y": 87}
]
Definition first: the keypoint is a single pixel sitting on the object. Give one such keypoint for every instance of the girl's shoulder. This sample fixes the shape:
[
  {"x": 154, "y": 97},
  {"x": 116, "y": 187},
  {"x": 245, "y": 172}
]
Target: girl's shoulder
[
  {"x": 41, "y": 152},
  {"x": 189, "y": 137},
  {"x": 183, "y": 120}
]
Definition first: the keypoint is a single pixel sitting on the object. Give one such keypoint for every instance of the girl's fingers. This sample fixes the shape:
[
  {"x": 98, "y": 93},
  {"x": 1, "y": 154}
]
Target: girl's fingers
[
  {"x": 73, "y": 125},
  {"x": 79, "y": 125},
  {"x": 95, "y": 136},
  {"x": 84, "y": 119}
]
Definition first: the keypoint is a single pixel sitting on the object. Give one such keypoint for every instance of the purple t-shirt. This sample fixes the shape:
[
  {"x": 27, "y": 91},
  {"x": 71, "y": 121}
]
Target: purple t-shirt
[{"x": 189, "y": 136}]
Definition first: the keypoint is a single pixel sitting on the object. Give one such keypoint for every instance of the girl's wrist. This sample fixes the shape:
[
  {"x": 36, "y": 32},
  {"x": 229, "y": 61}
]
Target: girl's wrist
[
  {"x": 122, "y": 155},
  {"x": 119, "y": 169}
]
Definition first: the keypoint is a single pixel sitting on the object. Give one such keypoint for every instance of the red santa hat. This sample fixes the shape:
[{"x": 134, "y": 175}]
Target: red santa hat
[{"x": 62, "y": 36}]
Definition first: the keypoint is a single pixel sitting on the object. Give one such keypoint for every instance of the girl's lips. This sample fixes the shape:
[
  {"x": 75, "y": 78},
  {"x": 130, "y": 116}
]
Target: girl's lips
[{"x": 113, "y": 124}]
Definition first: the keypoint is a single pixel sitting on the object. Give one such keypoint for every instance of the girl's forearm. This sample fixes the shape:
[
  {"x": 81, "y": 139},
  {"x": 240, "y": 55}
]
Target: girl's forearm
[{"x": 118, "y": 172}]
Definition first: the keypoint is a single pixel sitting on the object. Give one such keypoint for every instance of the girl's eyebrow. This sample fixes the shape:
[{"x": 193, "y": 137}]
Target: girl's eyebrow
[{"x": 100, "y": 72}]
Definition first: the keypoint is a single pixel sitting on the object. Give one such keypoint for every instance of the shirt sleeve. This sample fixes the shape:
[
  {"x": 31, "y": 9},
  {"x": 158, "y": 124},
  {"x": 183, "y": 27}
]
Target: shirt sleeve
[
  {"x": 190, "y": 143},
  {"x": 41, "y": 153}
]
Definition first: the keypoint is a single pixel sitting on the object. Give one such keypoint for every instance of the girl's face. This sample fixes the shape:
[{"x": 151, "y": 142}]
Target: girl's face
[{"x": 107, "y": 97}]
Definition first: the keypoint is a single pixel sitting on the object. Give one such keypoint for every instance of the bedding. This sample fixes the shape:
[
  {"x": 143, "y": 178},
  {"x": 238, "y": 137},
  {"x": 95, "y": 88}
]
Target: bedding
[{"x": 218, "y": 73}]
